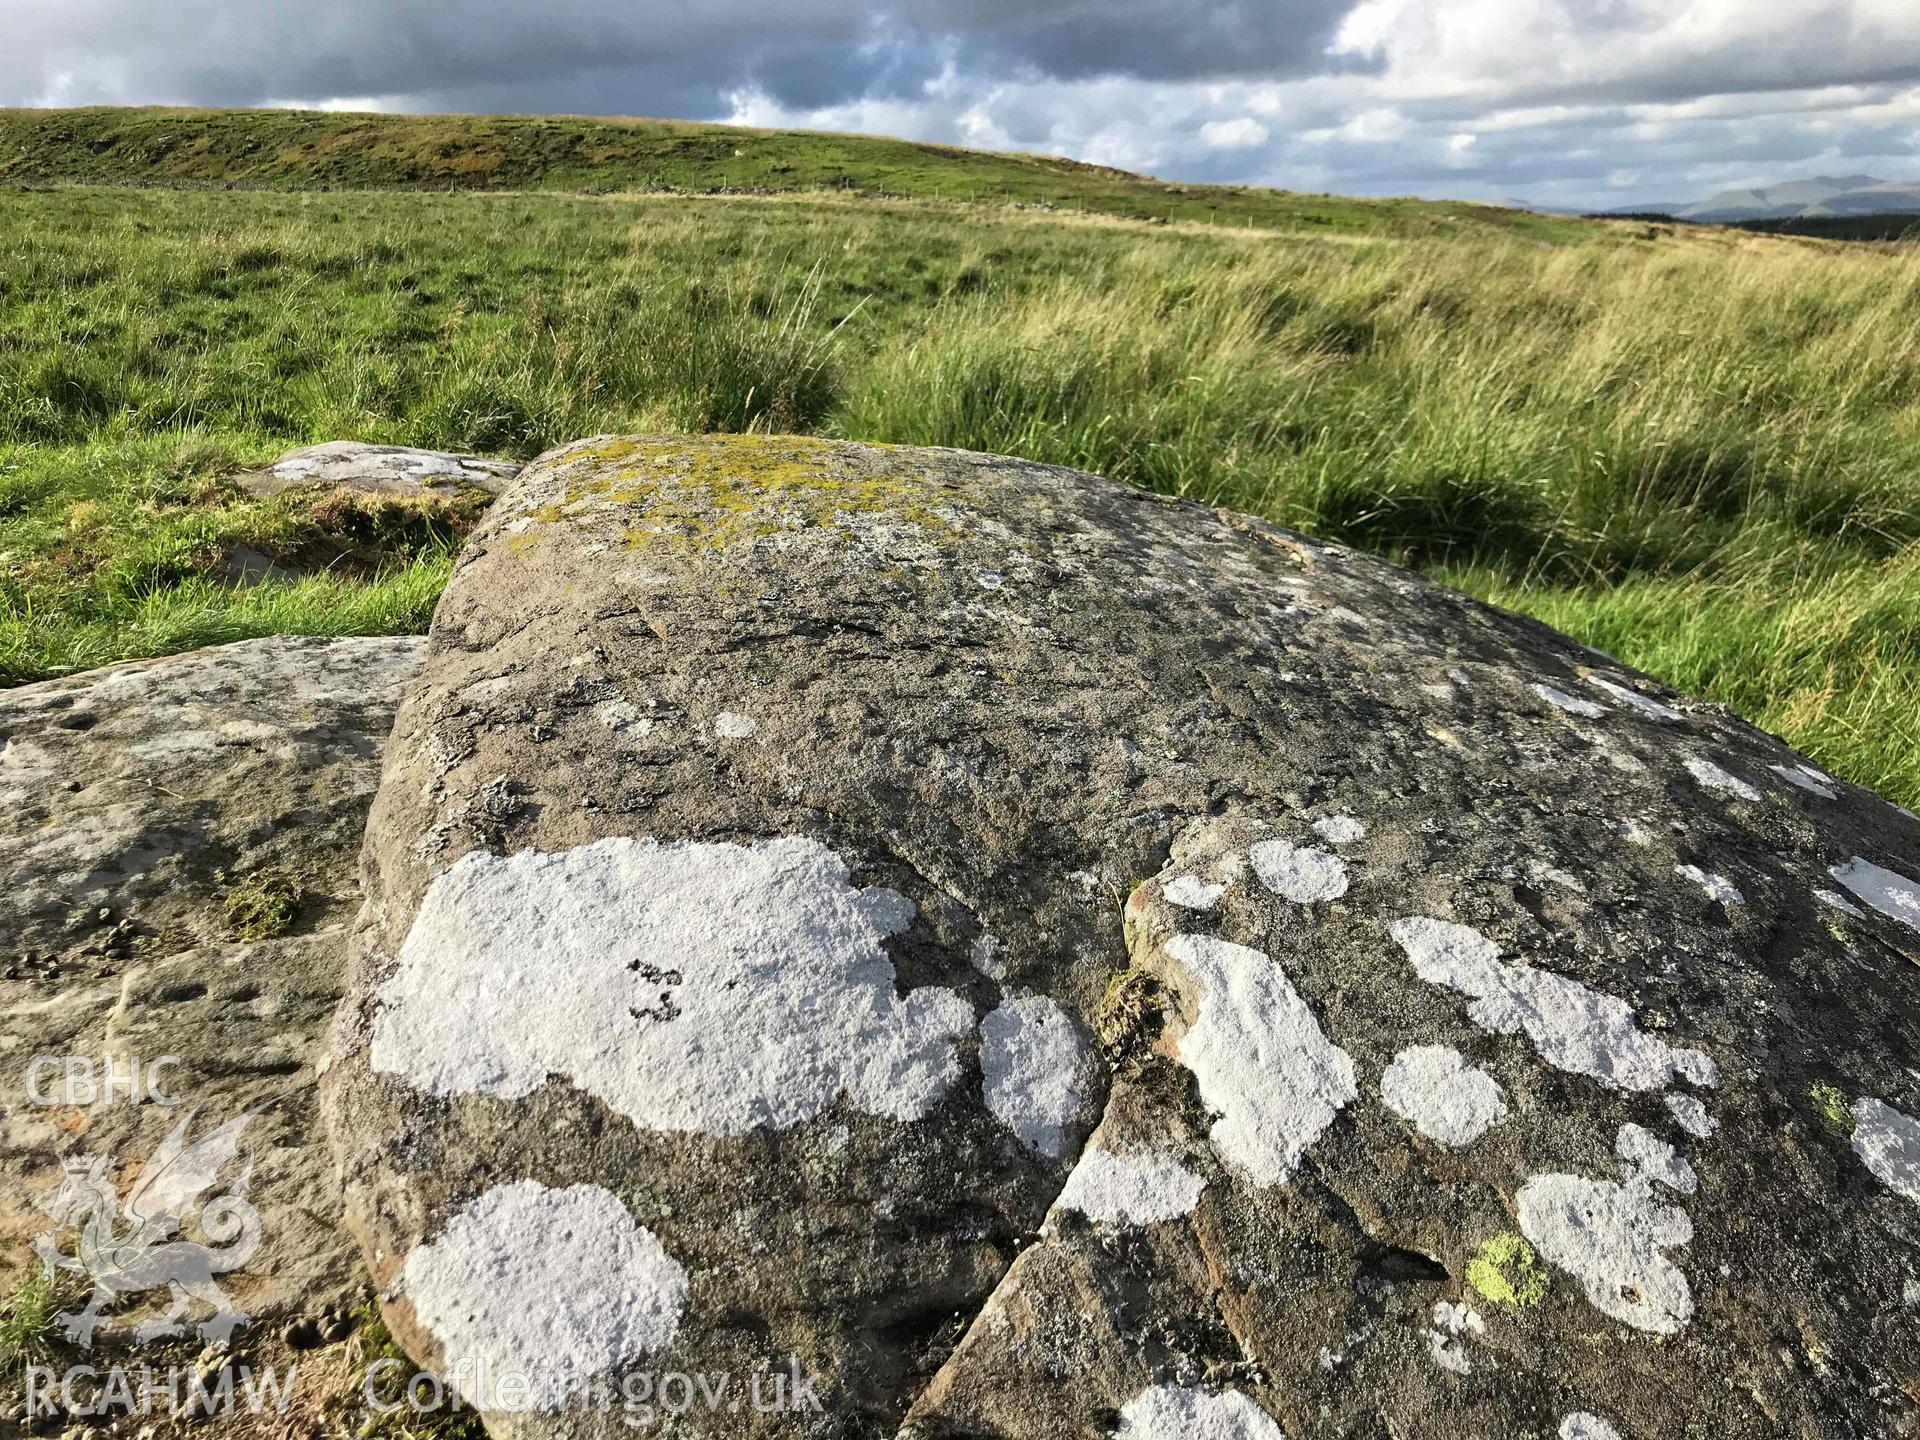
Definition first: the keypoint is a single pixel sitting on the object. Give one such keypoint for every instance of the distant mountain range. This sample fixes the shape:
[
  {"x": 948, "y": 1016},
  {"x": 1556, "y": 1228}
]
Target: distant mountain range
[{"x": 1826, "y": 196}]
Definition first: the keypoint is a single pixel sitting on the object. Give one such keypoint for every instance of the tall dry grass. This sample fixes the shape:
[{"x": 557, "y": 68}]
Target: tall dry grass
[{"x": 1700, "y": 452}]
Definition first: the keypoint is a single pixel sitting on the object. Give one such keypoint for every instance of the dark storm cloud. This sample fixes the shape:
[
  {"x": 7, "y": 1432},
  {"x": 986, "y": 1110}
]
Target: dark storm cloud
[
  {"x": 819, "y": 73},
  {"x": 1152, "y": 39},
  {"x": 804, "y": 53},
  {"x": 1566, "y": 100}
]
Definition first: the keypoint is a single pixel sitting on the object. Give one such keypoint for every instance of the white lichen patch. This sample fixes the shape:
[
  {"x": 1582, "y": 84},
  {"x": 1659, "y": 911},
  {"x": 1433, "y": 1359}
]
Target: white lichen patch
[
  {"x": 1621, "y": 760},
  {"x": 692, "y": 986},
  {"x": 1839, "y": 902},
  {"x": 622, "y": 716},
  {"x": 1447, "y": 1336},
  {"x": 1645, "y": 704},
  {"x": 1303, "y": 876},
  {"x": 1573, "y": 1027},
  {"x": 1888, "y": 1141},
  {"x": 1447, "y": 1099},
  {"x": 1331, "y": 1360},
  {"x": 1642, "y": 1152},
  {"x": 1179, "y": 1412},
  {"x": 1715, "y": 778},
  {"x": 1262, "y": 1062},
  {"x": 1339, "y": 829},
  {"x": 1691, "y": 1115},
  {"x": 1714, "y": 887},
  {"x": 1885, "y": 890},
  {"x": 1813, "y": 781},
  {"x": 1585, "y": 1425},
  {"x": 1572, "y": 704},
  {"x": 533, "y": 1292},
  {"x": 1190, "y": 892},
  {"x": 986, "y": 954},
  {"x": 1634, "y": 833},
  {"x": 732, "y": 725},
  {"x": 1540, "y": 872},
  {"x": 1612, "y": 1239},
  {"x": 1131, "y": 1189},
  {"x": 1033, "y": 1070}
]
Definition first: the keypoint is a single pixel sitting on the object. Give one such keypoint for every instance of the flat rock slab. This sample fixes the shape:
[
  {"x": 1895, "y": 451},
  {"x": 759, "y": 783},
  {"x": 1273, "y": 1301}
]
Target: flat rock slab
[
  {"x": 137, "y": 799},
  {"x": 378, "y": 470},
  {"x": 151, "y": 789},
  {"x": 1046, "y": 960}
]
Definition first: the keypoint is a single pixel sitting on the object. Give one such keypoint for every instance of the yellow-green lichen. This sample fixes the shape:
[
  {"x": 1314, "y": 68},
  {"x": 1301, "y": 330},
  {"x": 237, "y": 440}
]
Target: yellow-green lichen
[
  {"x": 1831, "y": 1102},
  {"x": 720, "y": 491},
  {"x": 1507, "y": 1272}
]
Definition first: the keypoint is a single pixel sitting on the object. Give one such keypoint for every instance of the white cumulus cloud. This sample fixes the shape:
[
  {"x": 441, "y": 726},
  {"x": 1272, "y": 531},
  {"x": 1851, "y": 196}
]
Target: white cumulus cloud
[{"x": 1236, "y": 134}]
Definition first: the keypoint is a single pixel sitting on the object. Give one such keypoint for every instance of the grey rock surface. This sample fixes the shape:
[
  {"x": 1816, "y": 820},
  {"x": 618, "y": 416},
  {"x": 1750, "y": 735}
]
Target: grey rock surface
[
  {"x": 1057, "y": 961},
  {"x": 150, "y": 788},
  {"x": 137, "y": 801},
  {"x": 395, "y": 470}
]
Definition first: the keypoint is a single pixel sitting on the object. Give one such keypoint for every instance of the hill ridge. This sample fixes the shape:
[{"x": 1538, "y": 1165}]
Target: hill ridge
[{"x": 318, "y": 149}]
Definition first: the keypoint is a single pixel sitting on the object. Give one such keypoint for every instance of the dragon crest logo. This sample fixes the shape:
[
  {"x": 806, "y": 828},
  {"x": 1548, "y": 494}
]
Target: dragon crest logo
[{"x": 132, "y": 1245}]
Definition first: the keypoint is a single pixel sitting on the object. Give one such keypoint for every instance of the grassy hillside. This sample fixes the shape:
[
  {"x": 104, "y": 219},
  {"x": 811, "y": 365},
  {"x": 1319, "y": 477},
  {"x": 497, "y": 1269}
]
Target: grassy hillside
[
  {"x": 1699, "y": 450},
  {"x": 293, "y": 149}
]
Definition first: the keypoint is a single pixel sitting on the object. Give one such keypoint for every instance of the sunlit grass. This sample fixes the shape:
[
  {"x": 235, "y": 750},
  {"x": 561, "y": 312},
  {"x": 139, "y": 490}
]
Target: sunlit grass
[{"x": 1700, "y": 452}]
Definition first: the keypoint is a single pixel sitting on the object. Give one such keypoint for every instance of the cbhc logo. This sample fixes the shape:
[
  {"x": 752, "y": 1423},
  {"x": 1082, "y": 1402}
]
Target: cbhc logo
[{"x": 82, "y": 1080}]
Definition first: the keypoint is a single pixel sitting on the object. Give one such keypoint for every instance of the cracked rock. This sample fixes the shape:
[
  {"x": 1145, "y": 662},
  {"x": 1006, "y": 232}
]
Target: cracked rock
[
  {"x": 225, "y": 760},
  {"x": 702, "y": 1078}
]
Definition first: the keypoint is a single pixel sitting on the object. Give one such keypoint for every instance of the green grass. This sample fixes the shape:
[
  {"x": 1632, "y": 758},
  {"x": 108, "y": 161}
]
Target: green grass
[
  {"x": 262, "y": 906},
  {"x": 379, "y": 1373},
  {"x": 1698, "y": 450},
  {"x": 29, "y": 1329},
  {"x": 295, "y": 149}
]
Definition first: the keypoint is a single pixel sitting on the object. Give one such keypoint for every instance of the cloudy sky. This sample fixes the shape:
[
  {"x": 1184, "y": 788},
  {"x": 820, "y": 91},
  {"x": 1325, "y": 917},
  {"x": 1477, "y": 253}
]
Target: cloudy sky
[{"x": 1577, "y": 102}]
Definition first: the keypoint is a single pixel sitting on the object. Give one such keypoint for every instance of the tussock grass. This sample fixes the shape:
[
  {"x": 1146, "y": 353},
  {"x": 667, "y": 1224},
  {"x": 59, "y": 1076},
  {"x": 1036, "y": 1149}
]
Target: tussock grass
[
  {"x": 1583, "y": 416},
  {"x": 1698, "y": 451},
  {"x": 29, "y": 1324}
]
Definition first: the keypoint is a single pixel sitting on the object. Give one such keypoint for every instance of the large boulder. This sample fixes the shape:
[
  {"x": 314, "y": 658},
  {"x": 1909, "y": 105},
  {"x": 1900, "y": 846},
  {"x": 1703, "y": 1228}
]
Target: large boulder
[
  {"x": 179, "y": 838},
  {"x": 1058, "y": 961}
]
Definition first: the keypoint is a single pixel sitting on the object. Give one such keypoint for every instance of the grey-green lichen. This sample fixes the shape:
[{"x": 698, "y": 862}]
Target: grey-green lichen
[{"x": 717, "y": 492}]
